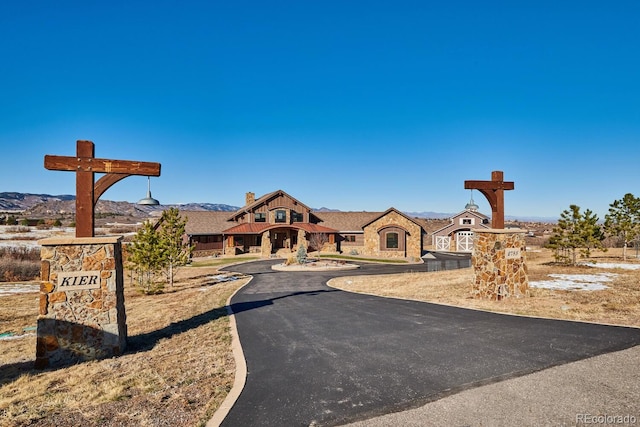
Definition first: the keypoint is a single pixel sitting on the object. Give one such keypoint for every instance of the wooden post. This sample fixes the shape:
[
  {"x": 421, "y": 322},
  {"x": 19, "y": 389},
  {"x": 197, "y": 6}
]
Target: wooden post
[
  {"x": 85, "y": 165},
  {"x": 498, "y": 257},
  {"x": 494, "y": 192}
]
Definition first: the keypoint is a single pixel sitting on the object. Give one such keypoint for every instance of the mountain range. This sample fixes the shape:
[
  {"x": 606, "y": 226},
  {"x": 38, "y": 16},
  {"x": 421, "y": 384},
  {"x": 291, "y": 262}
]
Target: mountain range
[{"x": 46, "y": 206}]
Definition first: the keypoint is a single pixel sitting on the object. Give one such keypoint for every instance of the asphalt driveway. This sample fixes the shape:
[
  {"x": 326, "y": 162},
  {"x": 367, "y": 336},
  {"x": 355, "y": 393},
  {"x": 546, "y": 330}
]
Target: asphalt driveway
[{"x": 320, "y": 356}]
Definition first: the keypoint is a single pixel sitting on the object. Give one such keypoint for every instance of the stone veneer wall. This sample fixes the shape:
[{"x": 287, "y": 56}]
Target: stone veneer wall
[
  {"x": 413, "y": 242},
  {"x": 347, "y": 250},
  {"x": 499, "y": 264},
  {"x": 80, "y": 324}
]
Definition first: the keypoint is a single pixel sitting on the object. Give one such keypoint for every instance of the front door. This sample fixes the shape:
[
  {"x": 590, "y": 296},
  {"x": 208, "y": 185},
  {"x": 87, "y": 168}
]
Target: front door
[{"x": 278, "y": 240}]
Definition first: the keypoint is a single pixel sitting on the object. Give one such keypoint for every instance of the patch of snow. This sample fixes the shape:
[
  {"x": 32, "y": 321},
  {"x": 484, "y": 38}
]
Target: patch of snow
[
  {"x": 18, "y": 288},
  {"x": 30, "y": 238},
  {"x": 612, "y": 265},
  {"x": 222, "y": 278},
  {"x": 18, "y": 243},
  {"x": 575, "y": 282},
  {"x": 14, "y": 337}
]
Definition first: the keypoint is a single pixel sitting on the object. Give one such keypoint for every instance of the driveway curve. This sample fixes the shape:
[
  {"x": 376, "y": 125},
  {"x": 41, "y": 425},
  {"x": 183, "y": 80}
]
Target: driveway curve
[{"x": 320, "y": 356}]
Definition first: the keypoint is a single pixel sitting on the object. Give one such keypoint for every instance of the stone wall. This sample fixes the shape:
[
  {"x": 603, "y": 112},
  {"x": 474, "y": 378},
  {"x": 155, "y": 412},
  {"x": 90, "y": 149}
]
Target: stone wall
[
  {"x": 352, "y": 250},
  {"x": 207, "y": 253},
  {"x": 413, "y": 238},
  {"x": 499, "y": 264},
  {"x": 82, "y": 314}
]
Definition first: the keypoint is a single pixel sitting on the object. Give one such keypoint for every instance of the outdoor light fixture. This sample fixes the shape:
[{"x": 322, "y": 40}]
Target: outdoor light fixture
[
  {"x": 471, "y": 206},
  {"x": 150, "y": 201}
]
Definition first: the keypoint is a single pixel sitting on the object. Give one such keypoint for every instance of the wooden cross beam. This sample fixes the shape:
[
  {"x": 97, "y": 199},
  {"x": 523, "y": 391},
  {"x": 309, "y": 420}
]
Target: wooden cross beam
[
  {"x": 494, "y": 192},
  {"x": 85, "y": 165}
]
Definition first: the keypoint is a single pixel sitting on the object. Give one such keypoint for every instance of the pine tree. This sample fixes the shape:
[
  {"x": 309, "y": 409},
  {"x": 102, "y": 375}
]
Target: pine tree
[
  {"x": 301, "y": 255},
  {"x": 576, "y": 231},
  {"x": 591, "y": 234},
  {"x": 146, "y": 257},
  {"x": 176, "y": 252},
  {"x": 623, "y": 220}
]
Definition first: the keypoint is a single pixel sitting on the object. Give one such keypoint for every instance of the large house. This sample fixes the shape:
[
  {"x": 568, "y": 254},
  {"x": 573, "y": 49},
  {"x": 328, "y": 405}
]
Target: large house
[{"x": 278, "y": 221}]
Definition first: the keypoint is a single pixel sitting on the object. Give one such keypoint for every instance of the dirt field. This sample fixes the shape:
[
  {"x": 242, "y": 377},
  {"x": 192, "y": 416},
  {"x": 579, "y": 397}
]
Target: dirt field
[
  {"x": 176, "y": 372},
  {"x": 618, "y": 304}
]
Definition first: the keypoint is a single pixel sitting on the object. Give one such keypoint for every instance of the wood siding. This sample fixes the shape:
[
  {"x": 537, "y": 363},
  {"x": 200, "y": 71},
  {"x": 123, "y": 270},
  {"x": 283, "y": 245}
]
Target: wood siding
[{"x": 279, "y": 202}]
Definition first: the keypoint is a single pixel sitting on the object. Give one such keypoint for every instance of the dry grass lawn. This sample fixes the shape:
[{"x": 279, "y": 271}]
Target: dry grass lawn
[
  {"x": 619, "y": 304},
  {"x": 176, "y": 372},
  {"x": 179, "y": 366}
]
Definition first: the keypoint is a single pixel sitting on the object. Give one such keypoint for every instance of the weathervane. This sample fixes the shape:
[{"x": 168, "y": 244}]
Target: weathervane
[{"x": 85, "y": 165}]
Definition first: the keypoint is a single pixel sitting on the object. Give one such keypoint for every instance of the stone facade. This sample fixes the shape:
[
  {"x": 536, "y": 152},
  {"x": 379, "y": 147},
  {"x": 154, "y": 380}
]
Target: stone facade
[
  {"x": 499, "y": 265},
  {"x": 82, "y": 314},
  {"x": 413, "y": 237}
]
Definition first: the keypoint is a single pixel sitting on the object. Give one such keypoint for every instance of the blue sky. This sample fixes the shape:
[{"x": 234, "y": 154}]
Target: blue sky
[{"x": 353, "y": 105}]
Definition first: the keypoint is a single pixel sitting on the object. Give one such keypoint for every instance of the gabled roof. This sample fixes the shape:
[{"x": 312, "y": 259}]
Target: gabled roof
[
  {"x": 469, "y": 212},
  {"x": 205, "y": 222},
  {"x": 346, "y": 221},
  {"x": 262, "y": 200},
  {"x": 388, "y": 211},
  {"x": 472, "y": 212},
  {"x": 260, "y": 227}
]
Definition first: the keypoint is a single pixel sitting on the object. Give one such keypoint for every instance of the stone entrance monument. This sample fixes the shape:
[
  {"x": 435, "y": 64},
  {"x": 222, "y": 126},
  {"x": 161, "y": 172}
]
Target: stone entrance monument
[
  {"x": 498, "y": 257},
  {"x": 82, "y": 314}
]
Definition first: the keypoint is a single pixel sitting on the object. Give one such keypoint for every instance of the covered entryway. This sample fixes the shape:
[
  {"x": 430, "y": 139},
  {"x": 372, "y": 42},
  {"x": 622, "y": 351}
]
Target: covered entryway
[
  {"x": 281, "y": 238},
  {"x": 268, "y": 239}
]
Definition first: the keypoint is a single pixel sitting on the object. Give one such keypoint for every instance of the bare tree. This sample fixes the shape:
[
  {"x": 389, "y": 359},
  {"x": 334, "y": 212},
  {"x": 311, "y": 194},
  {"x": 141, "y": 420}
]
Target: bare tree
[{"x": 318, "y": 240}]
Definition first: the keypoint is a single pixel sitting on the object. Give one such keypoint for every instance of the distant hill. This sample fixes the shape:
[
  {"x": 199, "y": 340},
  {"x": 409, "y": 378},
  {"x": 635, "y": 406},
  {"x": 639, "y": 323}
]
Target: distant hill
[
  {"x": 49, "y": 206},
  {"x": 18, "y": 202},
  {"x": 429, "y": 215},
  {"x": 323, "y": 209},
  {"x": 219, "y": 207},
  {"x": 46, "y": 205}
]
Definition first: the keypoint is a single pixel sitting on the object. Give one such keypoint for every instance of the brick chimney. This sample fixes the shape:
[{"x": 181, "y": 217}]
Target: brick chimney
[{"x": 250, "y": 198}]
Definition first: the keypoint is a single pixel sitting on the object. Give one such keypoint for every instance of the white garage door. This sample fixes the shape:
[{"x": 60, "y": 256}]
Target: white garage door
[
  {"x": 464, "y": 241},
  {"x": 443, "y": 243}
]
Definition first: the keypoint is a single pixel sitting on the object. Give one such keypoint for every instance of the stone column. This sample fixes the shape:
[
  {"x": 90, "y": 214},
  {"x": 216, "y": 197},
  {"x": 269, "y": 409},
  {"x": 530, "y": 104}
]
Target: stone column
[
  {"x": 266, "y": 246},
  {"x": 499, "y": 266},
  {"x": 82, "y": 315},
  {"x": 302, "y": 239}
]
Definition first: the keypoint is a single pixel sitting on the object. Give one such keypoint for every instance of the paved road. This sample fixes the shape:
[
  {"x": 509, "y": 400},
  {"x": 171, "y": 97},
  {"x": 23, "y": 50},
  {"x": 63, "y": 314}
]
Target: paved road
[{"x": 320, "y": 356}]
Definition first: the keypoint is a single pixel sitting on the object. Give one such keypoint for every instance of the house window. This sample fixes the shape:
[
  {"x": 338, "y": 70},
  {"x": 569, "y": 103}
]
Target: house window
[
  {"x": 467, "y": 221},
  {"x": 260, "y": 217},
  {"x": 296, "y": 216},
  {"x": 392, "y": 240},
  {"x": 281, "y": 215},
  {"x": 350, "y": 238}
]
